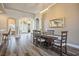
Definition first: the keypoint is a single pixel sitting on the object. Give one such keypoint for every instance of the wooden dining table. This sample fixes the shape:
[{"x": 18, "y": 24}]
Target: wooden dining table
[{"x": 48, "y": 38}]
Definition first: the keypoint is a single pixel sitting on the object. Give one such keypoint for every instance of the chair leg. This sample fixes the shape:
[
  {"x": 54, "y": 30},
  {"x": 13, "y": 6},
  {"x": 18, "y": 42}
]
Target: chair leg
[
  {"x": 36, "y": 42},
  {"x": 33, "y": 41},
  {"x": 65, "y": 49},
  {"x": 61, "y": 51}
]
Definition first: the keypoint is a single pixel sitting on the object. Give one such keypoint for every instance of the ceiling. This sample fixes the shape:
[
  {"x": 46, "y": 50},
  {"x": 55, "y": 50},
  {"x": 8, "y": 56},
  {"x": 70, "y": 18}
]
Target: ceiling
[
  {"x": 27, "y": 7},
  {"x": 1, "y": 9}
]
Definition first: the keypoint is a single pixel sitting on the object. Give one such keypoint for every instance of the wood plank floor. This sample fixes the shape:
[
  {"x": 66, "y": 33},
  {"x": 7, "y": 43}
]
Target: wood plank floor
[{"x": 25, "y": 47}]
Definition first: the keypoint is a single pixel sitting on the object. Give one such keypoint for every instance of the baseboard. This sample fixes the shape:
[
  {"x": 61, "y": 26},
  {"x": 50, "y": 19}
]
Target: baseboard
[{"x": 73, "y": 45}]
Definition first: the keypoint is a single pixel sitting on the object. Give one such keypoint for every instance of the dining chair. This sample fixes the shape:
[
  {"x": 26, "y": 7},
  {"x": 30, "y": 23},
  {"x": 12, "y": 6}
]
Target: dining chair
[
  {"x": 37, "y": 38},
  {"x": 50, "y": 32},
  {"x": 35, "y": 32},
  {"x": 61, "y": 42},
  {"x": 5, "y": 34}
]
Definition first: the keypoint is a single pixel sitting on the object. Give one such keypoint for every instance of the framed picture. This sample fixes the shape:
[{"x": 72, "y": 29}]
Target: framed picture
[{"x": 57, "y": 23}]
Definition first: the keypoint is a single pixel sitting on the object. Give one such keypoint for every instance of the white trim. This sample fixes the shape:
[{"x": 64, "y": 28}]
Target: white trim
[
  {"x": 47, "y": 8},
  {"x": 73, "y": 45}
]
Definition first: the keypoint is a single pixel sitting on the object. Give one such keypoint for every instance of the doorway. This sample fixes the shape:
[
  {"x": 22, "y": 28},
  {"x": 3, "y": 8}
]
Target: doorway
[
  {"x": 24, "y": 25},
  {"x": 12, "y": 24}
]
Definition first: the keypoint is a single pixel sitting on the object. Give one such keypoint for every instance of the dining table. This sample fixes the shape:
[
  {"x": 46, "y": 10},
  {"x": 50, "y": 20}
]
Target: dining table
[{"x": 48, "y": 38}]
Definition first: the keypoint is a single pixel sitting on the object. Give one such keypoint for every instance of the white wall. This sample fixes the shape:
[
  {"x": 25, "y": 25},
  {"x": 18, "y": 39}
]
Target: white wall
[
  {"x": 71, "y": 14},
  {"x": 3, "y": 25},
  {"x": 3, "y": 21}
]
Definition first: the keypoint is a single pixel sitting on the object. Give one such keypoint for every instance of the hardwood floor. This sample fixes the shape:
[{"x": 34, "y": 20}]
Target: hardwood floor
[{"x": 25, "y": 47}]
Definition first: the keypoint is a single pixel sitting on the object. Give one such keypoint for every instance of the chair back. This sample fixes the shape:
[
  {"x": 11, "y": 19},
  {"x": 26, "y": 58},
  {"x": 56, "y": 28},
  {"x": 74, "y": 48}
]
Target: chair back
[
  {"x": 36, "y": 32},
  {"x": 62, "y": 42},
  {"x": 50, "y": 32},
  {"x": 64, "y": 36}
]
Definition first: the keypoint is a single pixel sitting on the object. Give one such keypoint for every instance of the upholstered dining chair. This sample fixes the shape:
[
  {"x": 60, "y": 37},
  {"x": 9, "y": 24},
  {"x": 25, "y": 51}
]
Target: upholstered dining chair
[
  {"x": 36, "y": 37},
  {"x": 61, "y": 42},
  {"x": 35, "y": 33}
]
